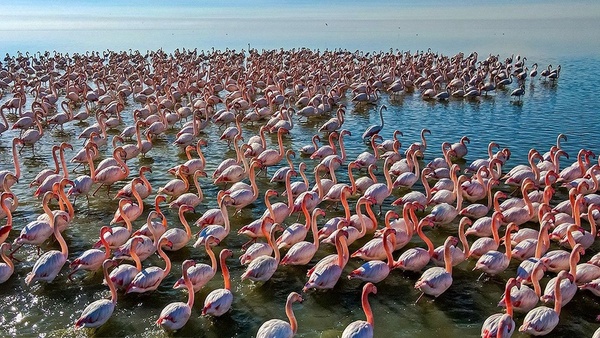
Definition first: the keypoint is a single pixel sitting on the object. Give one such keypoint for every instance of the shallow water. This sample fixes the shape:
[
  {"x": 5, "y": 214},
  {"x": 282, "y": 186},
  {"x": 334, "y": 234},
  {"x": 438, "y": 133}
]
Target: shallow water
[{"x": 546, "y": 110}]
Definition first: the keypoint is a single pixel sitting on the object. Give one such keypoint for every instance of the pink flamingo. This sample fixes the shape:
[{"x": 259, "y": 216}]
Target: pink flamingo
[
  {"x": 542, "y": 320},
  {"x": 8, "y": 267},
  {"x": 130, "y": 209},
  {"x": 375, "y": 270},
  {"x": 436, "y": 280},
  {"x": 41, "y": 176},
  {"x": 493, "y": 262},
  {"x": 279, "y": 328},
  {"x": 100, "y": 311},
  {"x": 495, "y": 325},
  {"x": 175, "y": 315},
  {"x": 302, "y": 252},
  {"x": 47, "y": 183},
  {"x": 92, "y": 259},
  {"x": 122, "y": 276},
  {"x": 150, "y": 278},
  {"x": 176, "y": 187},
  {"x": 263, "y": 267},
  {"x": 119, "y": 234},
  {"x": 144, "y": 188},
  {"x": 271, "y": 157},
  {"x": 567, "y": 289},
  {"x": 5, "y": 229},
  {"x": 378, "y": 192},
  {"x": 218, "y": 301},
  {"x": 200, "y": 274},
  {"x": 361, "y": 328},
  {"x": 458, "y": 255},
  {"x": 325, "y": 274},
  {"x": 215, "y": 230},
  {"x": 297, "y": 231},
  {"x": 415, "y": 259},
  {"x": 17, "y": 171},
  {"x": 51, "y": 262},
  {"x": 178, "y": 237},
  {"x": 522, "y": 297},
  {"x": 112, "y": 174},
  {"x": 189, "y": 198}
]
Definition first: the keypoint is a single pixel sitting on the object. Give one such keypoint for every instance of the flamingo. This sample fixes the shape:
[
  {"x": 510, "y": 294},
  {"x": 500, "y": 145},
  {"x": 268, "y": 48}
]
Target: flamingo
[
  {"x": 178, "y": 237},
  {"x": 175, "y": 315},
  {"x": 458, "y": 256},
  {"x": 522, "y": 298},
  {"x": 361, "y": 328},
  {"x": 415, "y": 259},
  {"x": 108, "y": 176},
  {"x": 122, "y": 276},
  {"x": 297, "y": 231},
  {"x": 92, "y": 259},
  {"x": 378, "y": 192},
  {"x": 17, "y": 168},
  {"x": 460, "y": 148},
  {"x": 100, "y": 311},
  {"x": 542, "y": 320},
  {"x": 215, "y": 230},
  {"x": 200, "y": 274},
  {"x": 493, "y": 262},
  {"x": 150, "y": 278},
  {"x": 51, "y": 262},
  {"x": 5, "y": 229},
  {"x": 176, "y": 187},
  {"x": 375, "y": 270},
  {"x": 144, "y": 188},
  {"x": 218, "y": 301},
  {"x": 436, "y": 280},
  {"x": 8, "y": 267},
  {"x": 567, "y": 290},
  {"x": 375, "y": 129},
  {"x": 279, "y": 328},
  {"x": 325, "y": 274},
  {"x": 302, "y": 252},
  {"x": 130, "y": 209},
  {"x": 497, "y": 325},
  {"x": 263, "y": 267}
]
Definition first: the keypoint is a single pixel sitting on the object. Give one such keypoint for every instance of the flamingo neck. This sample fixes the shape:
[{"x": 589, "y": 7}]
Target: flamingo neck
[
  {"x": 123, "y": 165},
  {"x": 200, "y": 154},
  {"x": 164, "y": 256},
  {"x": 16, "y": 159},
  {"x": 306, "y": 214},
  {"x": 374, "y": 146},
  {"x": 313, "y": 228},
  {"x": 372, "y": 174},
  {"x": 388, "y": 250},
  {"x": 185, "y": 224},
  {"x": 280, "y": 142},
  {"x": 64, "y": 249},
  {"x": 342, "y": 148},
  {"x": 573, "y": 260},
  {"x": 106, "y": 246},
  {"x": 290, "y": 314},
  {"x": 226, "y": 223},
  {"x": 289, "y": 192},
  {"x": 367, "y": 308},
  {"x": 344, "y": 200},
  {"x": 319, "y": 185},
  {"x": 225, "y": 271},
  {"x": 56, "y": 167},
  {"x": 138, "y": 137},
  {"x": 463, "y": 239},
  {"x": 508, "y": 300},
  {"x": 591, "y": 220},
  {"x": 541, "y": 241},
  {"x": 351, "y": 178},
  {"x": 497, "y": 203},
  {"x": 507, "y": 243},
  {"x": 557, "y": 296},
  {"x": 425, "y": 239},
  {"x": 447, "y": 257},
  {"x": 269, "y": 206},
  {"x": 111, "y": 286},
  {"x": 7, "y": 260},
  {"x": 271, "y": 240},
  {"x": 372, "y": 215},
  {"x": 388, "y": 177},
  {"x": 211, "y": 254},
  {"x": 190, "y": 288}
]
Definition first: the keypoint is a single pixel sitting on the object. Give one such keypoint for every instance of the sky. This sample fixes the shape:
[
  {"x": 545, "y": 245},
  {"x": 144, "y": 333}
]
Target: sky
[{"x": 69, "y": 24}]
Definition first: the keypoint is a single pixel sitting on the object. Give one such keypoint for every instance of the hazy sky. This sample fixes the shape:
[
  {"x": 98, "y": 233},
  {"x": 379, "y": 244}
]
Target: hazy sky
[{"x": 76, "y": 25}]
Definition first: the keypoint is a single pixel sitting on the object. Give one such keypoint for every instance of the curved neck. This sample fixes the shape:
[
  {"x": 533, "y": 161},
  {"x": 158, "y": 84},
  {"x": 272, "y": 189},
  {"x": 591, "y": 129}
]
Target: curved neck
[
  {"x": 536, "y": 281},
  {"x": 425, "y": 239},
  {"x": 557, "y": 296},
  {"x": 507, "y": 299},
  {"x": 271, "y": 240},
  {"x": 507, "y": 243},
  {"x": 592, "y": 220},
  {"x": 64, "y": 249},
  {"x": 111, "y": 286},
  {"x": 363, "y": 226},
  {"x": 367, "y": 308},
  {"x": 573, "y": 260},
  {"x": 226, "y": 223},
  {"x": 136, "y": 258},
  {"x": 372, "y": 215},
  {"x": 122, "y": 164},
  {"x": 389, "y": 247},
  {"x": 185, "y": 224},
  {"x": 306, "y": 213},
  {"x": 290, "y": 314},
  {"x": 463, "y": 238},
  {"x": 351, "y": 178},
  {"x": 211, "y": 254},
  {"x": 344, "y": 200},
  {"x": 388, "y": 177},
  {"x": 56, "y": 167},
  {"x": 225, "y": 270},
  {"x": 540, "y": 241},
  {"x": 7, "y": 260},
  {"x": 164, "y": 256},
  {"x": 190, "y": 287},
  {"x": 16, "y": 160},
  {"x": 342, "y": 148},
  {"x": 289, "y": 192},
  {"x": 447, "y": 257}
]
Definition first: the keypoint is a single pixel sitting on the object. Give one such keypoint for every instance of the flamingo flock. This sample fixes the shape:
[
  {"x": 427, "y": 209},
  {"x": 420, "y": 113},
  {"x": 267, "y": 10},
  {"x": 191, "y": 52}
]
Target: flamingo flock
[{"x": 140, "y": 101}]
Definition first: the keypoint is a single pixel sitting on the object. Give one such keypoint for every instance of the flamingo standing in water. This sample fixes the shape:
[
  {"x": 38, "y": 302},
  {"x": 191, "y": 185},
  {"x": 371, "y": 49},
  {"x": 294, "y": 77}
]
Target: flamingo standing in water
[
  {"x": 200, "y": 274},
  {"x": 325, "y": 274},
  {"x": 50, "y": 263},
  {"x": 542, "y": 320},
  {"x": 375, "y": 129},
  {"x": 375, "y": 270},
  {"x": 178, "y": 237},
  {"x": 494, "y": 262},
  {"x": 262, "y": 268},
  {"x": 434, "y": 281},
  {"x": 92, "y": 259},
  {"x": 122, "y": 276},
  {"x": 361, "y": 328},
  {"x": 100, "y": 311},
  {"x": 7, "y": 268},
  {"x": 175, "y": 315},
  {"x": 302, "y": 252},
  {"x": 150, "y": 278},
  {"x": 218, "y": 301},
  {"x": 497, "y": 325},
  {"x": 279, "y": 328}
]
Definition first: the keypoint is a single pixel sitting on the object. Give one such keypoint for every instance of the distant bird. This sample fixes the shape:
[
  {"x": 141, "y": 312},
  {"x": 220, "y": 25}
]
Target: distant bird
[
  {"x": 372, "y": 130},
  {"x": 518, "y": 92}
]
